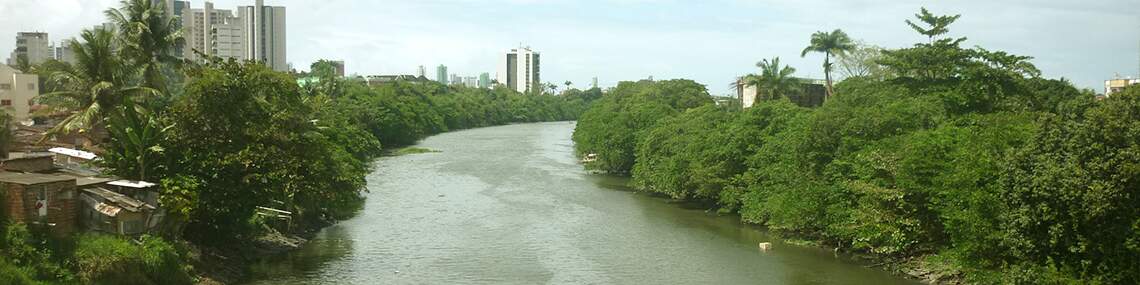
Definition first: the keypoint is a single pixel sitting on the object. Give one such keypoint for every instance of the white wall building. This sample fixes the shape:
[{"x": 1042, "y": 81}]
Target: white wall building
[
  {"x": 265, "y": 34},
  {"x": 519, "y": 70},
  {"x": 17, "y": 91},
  {"x": 35, "y": 46},
  {"x": 254, "y": 33}
]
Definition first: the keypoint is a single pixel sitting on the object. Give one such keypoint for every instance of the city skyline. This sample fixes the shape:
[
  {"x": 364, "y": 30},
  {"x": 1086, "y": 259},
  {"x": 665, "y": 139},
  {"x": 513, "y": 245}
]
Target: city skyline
[{"x": 665, "y": 39}]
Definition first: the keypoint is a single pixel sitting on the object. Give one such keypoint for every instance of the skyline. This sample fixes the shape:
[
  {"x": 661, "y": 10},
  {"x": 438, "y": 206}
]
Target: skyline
[{"x": 619, "y": 40}]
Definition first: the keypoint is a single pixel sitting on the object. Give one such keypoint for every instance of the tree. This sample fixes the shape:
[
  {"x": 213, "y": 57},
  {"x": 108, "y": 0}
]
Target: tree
[
  {"x": 937, "y": 25},
  {"x": 862, "y": 61},
  {"x": 773, "y": 82},
  {"x": 834, "y": 43},
  {"x": 147, "y": 38},
  {"x": 568, "y": 83},
  {"x": 93, "y": 87}
]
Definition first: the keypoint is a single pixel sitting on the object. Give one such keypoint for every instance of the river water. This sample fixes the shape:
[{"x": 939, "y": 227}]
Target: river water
[{"x": 510, "y": 205}]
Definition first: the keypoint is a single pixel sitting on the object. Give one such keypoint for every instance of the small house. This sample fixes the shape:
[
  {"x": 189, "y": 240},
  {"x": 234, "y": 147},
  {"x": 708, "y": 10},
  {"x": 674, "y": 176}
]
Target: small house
[
  {"x": 40, "y": 199},
  {"x": 116, "y": 213}
]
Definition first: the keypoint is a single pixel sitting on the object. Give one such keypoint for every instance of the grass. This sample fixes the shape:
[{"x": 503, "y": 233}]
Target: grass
[{"x": 413, "y": 150}]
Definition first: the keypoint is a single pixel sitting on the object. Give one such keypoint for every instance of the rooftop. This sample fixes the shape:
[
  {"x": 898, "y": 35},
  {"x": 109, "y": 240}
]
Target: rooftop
[{"x": 31, "y": 178}]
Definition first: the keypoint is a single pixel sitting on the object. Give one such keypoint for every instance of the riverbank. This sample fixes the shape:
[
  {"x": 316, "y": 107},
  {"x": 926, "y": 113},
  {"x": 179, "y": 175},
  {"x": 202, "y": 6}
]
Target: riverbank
[{"x": 511, "y": 204}]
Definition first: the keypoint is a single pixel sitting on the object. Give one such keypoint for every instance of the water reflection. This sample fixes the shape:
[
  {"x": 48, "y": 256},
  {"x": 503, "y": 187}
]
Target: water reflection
[{"x": 510, "y": 205}]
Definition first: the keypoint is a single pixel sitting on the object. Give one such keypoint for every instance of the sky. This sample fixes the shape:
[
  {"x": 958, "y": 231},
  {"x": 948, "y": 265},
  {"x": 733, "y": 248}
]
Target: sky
[{"x": 710, "y": 41}]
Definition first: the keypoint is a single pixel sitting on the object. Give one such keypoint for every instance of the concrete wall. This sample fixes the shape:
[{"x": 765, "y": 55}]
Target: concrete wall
[{"x": 17, "y": 90}]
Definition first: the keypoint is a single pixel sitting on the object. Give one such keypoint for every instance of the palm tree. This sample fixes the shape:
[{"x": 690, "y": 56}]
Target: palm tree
[
  {"x": 147, "y": 38},
  {"x": 93, "y": 87},
  {"x": 938, "y": 24},
  {"x": 773, "y": 82},
  {"x": 568, "y": 83},
  {"x": 830, "y": 44}
]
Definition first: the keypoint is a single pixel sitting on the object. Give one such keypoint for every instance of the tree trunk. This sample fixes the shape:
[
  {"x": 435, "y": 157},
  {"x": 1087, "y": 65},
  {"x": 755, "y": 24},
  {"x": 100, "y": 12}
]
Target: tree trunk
[{"x": 827, "y": 72}]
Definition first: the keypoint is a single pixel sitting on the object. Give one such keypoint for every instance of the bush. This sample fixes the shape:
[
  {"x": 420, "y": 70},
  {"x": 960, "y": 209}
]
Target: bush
[{"x": 104, "y": 259}]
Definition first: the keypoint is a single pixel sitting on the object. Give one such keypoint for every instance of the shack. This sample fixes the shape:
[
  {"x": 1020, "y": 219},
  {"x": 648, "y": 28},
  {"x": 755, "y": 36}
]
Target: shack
[
  {"x": 41, "y": 200},
  {"x": 116, "y": 213}
]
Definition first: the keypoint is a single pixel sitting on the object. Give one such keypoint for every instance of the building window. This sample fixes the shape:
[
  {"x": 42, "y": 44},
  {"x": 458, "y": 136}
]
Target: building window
[
  {"x": 31, "y": 86},
  {"x": 5, "y": 102},
  {"x": 5, "y": 86}
]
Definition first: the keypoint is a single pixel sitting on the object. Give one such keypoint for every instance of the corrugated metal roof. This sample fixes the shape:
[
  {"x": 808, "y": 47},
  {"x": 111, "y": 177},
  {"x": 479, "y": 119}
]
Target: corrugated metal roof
[
  {"x": 107, "y": 209},
  {"x": 132, "y": 184},
  {"x": 73, "y": 153},
  {"x": 120, "y": 200}
]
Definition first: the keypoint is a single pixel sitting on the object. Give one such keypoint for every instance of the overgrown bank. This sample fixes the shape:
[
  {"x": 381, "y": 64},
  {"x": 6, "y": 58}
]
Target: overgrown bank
[
  {"x": 224, "y": 141},
  {"x": 959, "y": 162}
]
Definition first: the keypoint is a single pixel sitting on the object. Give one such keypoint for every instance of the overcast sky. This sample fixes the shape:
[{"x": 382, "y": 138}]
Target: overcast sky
[{"x": 710, "y": 41}]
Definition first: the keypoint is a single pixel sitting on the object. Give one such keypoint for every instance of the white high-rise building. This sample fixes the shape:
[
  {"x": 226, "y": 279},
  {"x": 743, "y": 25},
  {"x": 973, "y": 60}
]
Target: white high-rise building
[
  {"x": 214, "y": 32},
  {"x": 265, "y": 34},
  {"x": 421, "y": 71},
  {"x": 255, "y": 33},
  {"x": 519, "y": 70},
  {"x": 32, "y": 45}
]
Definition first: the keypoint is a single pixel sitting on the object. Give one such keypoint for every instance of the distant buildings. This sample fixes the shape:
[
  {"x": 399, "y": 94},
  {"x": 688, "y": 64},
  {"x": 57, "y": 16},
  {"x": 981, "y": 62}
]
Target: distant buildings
[
  {"x": 339, "y": 66},
  {"x": 519, "y": 70},
  {"x": 441, "y": 74},
  {"x": 17, "y": 91},
  {"x": 471, "y": 81},
  {"x": 1117, "y": 85},
  {"x": 376, "y": 80},
  {"x": 594, "y": 82},
  {"x": 255, "y": 33},
  {"x": 34, "y": 46},
  {"x": 485, "y": 80},
  {"x": 455, "y": 79},
  {"x": 421, "y": 72}
]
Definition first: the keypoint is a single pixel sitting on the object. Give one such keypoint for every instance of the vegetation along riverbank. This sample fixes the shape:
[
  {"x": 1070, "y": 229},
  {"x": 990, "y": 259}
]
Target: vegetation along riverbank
[
  {"x": 957, "y": 164},
  {"x": 248, "y": 161}
]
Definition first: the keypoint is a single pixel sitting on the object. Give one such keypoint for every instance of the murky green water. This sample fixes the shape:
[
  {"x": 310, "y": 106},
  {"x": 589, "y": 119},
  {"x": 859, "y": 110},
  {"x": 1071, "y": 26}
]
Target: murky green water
[{"x": 510, "y": 205}]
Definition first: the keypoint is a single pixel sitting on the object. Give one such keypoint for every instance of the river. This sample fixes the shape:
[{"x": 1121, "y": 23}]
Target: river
[{"x": 511, "y": 205}]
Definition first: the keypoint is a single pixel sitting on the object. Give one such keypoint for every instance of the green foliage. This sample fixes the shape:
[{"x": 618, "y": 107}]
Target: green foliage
[
  {"x": 103, "y": 259},
  {"x": 13, "y": 275},
  {"x": 831, "y": 44},
  {"x": 774, "y": 82},
  {"x": 1071, "y": 193},
  {"x": 963, "y": 155},
  {"x": 612, "y": 126},
  {"x": 937, "y": 25},
  {"x": 29, "y": 255}
]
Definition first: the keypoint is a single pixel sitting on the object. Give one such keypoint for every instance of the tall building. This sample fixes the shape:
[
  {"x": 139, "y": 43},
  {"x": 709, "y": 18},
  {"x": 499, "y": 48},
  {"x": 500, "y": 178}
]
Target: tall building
[
  {"x": 33, "y": 46},
  {"x": 456, "y": 80},
  {"x": 213, "y": 32},
  {"x": 441, "y": 74},
  {"x": 594, "y": 82},
  {"x": 264, "y": 34},
  {"x": 63, "y": 53},
  {"x": 519, "y": 70},
  {"x": 471, "y": 81},
  {"x": 421, "y": 72},
  {"x": 254, "y": 33},
  {"x": 16, "y": 92},
  {"x": 485, "y": 80},
  {"x": 339, "y": 65}
]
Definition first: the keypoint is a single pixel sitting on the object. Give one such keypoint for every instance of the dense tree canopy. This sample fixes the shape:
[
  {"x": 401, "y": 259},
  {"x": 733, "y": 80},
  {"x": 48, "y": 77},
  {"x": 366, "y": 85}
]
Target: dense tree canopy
[{"x": 960, "y": 157}]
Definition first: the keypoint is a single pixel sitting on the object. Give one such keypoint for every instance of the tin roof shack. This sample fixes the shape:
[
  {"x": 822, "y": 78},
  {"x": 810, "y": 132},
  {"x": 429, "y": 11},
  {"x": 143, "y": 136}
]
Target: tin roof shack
[
  {"x": 111, "y": 212},
  {"x": 41, "y": 199}
]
